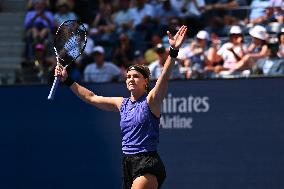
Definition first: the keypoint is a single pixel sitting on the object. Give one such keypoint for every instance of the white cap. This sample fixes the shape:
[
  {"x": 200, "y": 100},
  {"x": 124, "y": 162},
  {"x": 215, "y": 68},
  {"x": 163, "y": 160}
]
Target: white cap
[
  {"x": 202, "y": 35},
  {"x": 99, "y": 49},
  {"x": 235, "y": 30},
  {"x": 258, "y": 32}
]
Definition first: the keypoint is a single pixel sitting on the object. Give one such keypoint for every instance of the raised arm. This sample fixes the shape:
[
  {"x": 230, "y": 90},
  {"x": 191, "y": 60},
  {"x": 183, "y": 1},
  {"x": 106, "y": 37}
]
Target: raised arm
[
  {"x": 158, "y": 93},
  {"x": 104, "y": 103}
]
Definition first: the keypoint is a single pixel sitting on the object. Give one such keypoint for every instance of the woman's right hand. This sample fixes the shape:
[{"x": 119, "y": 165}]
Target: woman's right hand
[{"x": 61, "y": 72}]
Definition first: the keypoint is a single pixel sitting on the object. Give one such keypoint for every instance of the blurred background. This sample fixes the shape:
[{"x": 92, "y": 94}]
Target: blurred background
[
  {"x": 226, "y": 38},
  {"x": 222, "y": 120}
]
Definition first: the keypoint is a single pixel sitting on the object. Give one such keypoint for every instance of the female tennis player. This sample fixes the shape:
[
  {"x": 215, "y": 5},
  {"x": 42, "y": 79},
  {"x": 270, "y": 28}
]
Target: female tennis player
[{"x": 140, "y": 117}]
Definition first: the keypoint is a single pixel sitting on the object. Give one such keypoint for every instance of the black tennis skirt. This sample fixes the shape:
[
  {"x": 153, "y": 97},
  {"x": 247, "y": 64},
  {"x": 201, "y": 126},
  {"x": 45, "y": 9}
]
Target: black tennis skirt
[{"x": 135, "y": 165}]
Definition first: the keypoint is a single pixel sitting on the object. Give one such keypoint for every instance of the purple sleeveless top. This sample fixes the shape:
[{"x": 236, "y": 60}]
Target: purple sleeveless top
[{"x": 139, "y": 126}]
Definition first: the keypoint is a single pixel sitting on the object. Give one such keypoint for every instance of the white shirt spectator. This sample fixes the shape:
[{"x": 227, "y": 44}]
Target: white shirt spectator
[
  {"x": 228, "y": 56},
  {"x": 106, "y": 73}
]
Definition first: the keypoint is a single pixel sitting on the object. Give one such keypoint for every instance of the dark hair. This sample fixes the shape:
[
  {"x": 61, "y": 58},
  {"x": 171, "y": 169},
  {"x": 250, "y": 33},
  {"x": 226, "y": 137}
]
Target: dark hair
[
  {"x": 144, "y": 70},
  {"x": 235, "y": 34}
]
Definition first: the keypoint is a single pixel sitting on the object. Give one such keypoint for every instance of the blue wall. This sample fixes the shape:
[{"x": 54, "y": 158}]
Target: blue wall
[{"x": 214, "y": 134}]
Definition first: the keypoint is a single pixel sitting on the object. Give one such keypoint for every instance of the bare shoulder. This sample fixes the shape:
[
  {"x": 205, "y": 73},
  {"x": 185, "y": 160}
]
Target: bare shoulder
[{"x": 115, "y": 100}]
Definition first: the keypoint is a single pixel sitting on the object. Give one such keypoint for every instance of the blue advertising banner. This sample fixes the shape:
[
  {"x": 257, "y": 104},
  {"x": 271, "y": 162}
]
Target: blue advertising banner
[{"x": 213, "y": 134}]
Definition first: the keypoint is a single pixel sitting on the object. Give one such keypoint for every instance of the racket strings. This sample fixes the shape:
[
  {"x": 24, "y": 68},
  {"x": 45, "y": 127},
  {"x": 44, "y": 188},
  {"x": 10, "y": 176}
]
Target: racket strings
[{"x": 70, "y": 40}]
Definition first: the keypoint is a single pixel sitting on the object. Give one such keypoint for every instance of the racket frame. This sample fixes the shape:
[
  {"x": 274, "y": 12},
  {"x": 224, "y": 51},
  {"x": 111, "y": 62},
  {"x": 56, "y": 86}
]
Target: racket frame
[{"x": 56, "y": 80}]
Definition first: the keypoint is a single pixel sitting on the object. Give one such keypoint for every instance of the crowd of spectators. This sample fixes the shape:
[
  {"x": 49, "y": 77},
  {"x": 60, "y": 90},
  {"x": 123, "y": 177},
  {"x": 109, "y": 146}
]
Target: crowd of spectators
[{"x": 226, "y": 38}]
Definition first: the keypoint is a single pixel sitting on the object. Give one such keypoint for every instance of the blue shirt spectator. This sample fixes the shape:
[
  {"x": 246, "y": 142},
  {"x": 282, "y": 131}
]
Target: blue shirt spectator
[
  {"x": 273, "y": 64},
  {"x": 258, "y": 8},
  {"x": 39, "y": 17}
]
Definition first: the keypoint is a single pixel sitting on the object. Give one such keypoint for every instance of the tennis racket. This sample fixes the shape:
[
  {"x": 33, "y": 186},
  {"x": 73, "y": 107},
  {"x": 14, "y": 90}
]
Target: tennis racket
[{"x": 69, "y": 43}]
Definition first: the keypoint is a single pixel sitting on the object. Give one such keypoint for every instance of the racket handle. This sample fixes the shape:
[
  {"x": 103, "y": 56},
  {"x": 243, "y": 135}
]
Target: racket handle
[{"x": 53, "y": 88}]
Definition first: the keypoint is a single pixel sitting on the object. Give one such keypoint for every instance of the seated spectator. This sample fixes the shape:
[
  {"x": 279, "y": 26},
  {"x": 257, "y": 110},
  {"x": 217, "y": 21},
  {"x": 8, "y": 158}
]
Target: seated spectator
[
  {"x": 256, "y": 49},
  {"x": 271, "y": 65},
  {"x": 156, "y": 67},
  {"x": 231, "y": 52},
  {"x": 196, "y": 55},
  {"x": 100, "y": 71},
  {"x": 63, "y": 12},
  {"x": 39, "y": 22},
  {"x": 281, "y": 43}
]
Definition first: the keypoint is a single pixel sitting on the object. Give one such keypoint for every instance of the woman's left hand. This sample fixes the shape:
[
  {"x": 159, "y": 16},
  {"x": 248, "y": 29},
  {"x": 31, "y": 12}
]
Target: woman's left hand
[{"x": 177, "y": 40}]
